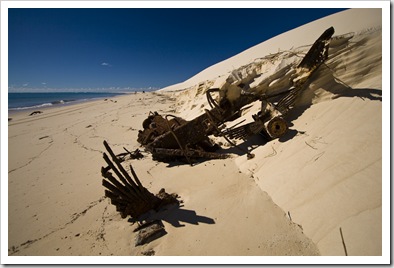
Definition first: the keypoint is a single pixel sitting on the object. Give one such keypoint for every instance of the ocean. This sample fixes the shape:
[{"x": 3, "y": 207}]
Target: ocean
[{"x": 22, "y": 101}]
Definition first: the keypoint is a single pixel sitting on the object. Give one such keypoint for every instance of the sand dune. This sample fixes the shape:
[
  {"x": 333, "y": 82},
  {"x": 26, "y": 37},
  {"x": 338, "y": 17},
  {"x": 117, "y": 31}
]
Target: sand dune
[
  {"x": 327, "y": 171},
  {"x": 291, "y": 199},
  {"x": 353, "y": 21}
]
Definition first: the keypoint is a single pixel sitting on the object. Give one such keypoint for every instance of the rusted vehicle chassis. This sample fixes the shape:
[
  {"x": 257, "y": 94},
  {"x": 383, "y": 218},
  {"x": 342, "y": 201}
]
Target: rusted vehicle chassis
[{"x": 168, "y": 137}]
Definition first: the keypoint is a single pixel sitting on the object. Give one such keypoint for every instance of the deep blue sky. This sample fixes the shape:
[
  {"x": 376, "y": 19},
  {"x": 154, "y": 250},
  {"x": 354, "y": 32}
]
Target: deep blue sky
[{"x": 136, "y": 48}]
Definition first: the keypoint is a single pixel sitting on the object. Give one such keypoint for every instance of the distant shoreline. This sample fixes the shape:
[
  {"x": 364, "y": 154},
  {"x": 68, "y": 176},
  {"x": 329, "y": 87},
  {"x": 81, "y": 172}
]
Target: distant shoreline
[
  {"x": 22, "y": 102},
  {"x": 28, "y": 110}
]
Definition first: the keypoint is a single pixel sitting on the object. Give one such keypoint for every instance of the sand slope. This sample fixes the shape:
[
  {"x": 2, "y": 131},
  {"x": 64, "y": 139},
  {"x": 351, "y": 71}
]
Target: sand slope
[
  {"x": 327, "y": 171},
  {"x": 352, "y": 20}
]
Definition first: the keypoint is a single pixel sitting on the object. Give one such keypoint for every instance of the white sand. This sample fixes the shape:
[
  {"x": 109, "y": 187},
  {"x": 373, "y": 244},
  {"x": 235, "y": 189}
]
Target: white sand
[
  {"x": 326, "y": 173},
  {"x": 55, "y": 189}
]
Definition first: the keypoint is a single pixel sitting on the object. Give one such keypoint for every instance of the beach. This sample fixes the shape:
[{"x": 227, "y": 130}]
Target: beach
[
  {"x": 55, "y": 188},
  {"x": 317, "y": 190}
]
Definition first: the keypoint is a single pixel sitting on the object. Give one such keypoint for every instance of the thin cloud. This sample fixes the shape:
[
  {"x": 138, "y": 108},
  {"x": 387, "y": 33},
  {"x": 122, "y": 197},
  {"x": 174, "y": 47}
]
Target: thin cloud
[{"x": 106, "y": 64}]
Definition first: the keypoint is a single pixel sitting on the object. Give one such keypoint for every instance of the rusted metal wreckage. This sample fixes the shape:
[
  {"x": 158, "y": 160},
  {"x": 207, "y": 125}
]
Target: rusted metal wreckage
[
  {"x": 167, "y": 137},
  {"x": 127, "y": 193},
  {"x": 131, "y": 198}
]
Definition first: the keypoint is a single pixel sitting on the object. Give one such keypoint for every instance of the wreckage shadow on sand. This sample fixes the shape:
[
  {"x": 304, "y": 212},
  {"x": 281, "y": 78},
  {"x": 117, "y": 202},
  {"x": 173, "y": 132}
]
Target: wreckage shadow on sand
[
  {"x": 153, "y": 227},
  {"x": 256, "y": 141},
  {"x": 250, "y": 144},
  {"x": 327, "y": 81},
  {"x": 176, "y": 215}
]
